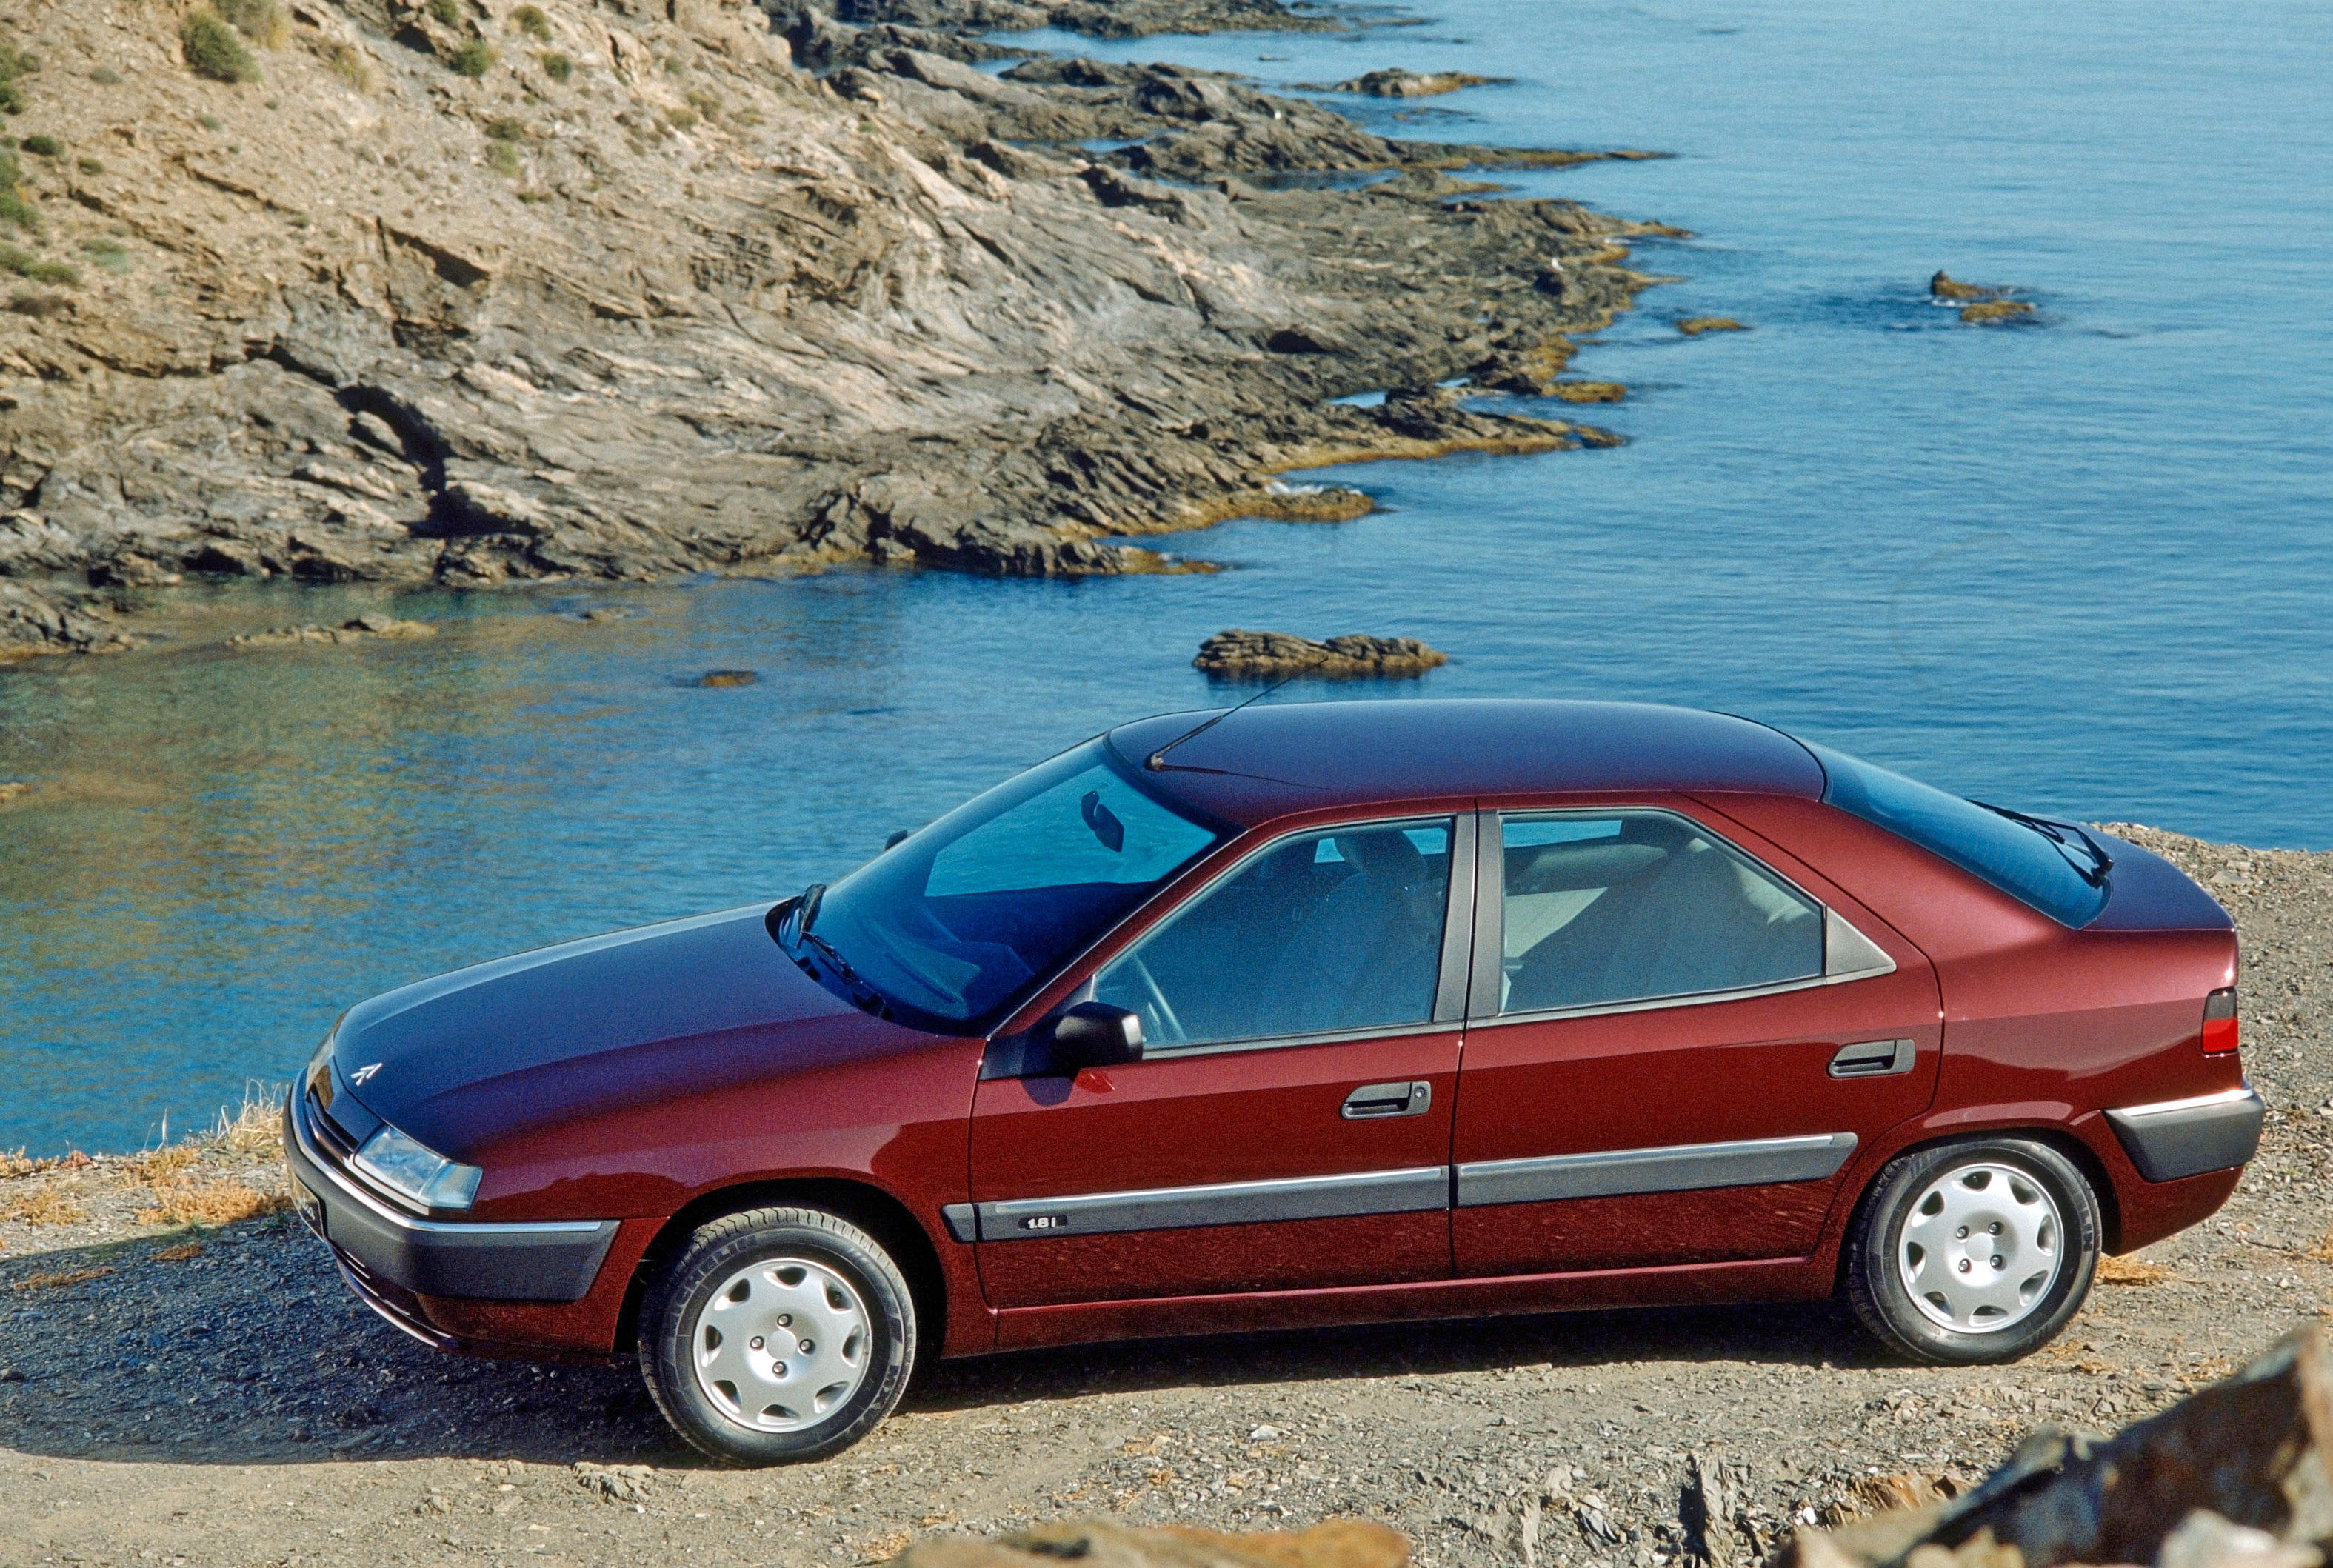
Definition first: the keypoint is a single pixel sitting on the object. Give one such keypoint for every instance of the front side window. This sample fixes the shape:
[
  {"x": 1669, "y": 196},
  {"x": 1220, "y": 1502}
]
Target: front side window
[
  {"x": 2054, "y": 867},
  {"x": 962, "y": 916},
  {"x": 1635, "y": 906},
  {"x": 1322, "y": 932}
]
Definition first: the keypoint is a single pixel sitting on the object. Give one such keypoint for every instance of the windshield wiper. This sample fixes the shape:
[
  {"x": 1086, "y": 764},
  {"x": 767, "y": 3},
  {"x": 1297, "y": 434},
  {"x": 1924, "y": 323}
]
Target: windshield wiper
[
  {"x": 2101, "y": 862},
  {"x": 868, "y": 999}
]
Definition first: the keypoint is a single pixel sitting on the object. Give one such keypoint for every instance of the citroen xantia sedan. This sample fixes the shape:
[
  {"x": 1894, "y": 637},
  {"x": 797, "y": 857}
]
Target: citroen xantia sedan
[{"x": 1307, "y": 1015}]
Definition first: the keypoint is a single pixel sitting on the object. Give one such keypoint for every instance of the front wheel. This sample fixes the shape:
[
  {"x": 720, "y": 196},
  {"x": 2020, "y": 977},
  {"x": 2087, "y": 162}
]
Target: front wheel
[
  {"x": 777, "y": 1335},
  {"x": 1973, "y": 1252}
]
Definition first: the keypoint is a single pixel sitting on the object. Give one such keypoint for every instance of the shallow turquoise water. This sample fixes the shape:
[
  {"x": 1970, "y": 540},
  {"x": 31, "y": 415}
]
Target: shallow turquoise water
[{"x": 2083, "y": 567}]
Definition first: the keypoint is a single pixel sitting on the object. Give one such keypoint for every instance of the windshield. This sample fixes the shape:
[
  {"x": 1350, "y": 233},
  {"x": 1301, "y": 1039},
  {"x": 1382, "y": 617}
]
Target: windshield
[
  {"x": 2044, "y": 864},
  {"x": 960, "y": 917}
]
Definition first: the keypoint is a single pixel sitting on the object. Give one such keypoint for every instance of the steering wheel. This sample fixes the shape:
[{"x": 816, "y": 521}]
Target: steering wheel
[{"x": 1157, "y": 998}]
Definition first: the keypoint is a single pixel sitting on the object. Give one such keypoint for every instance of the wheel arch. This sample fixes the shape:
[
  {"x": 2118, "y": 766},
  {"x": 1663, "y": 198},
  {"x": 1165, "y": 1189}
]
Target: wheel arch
[
  {"x": 2083, "y": 1157},
  {"x": 864, "y": 1204}
]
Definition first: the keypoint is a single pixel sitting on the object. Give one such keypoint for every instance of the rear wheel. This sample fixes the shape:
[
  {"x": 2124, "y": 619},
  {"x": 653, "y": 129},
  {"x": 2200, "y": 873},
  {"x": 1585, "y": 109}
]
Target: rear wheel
[
  {"x": 1978, "y": 1251},
  {"x": 778, "y": 1334}
]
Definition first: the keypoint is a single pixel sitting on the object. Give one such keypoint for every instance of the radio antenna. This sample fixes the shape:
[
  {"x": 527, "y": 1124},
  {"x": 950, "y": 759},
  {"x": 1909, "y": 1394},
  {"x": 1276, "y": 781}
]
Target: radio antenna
[{"x": 1157, "y": 761}]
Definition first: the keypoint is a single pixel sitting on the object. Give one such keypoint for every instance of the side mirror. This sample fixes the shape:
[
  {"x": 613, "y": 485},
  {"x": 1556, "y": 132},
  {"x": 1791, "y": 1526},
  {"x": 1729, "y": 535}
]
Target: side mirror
[
  {"x": 1096, "y": 1034},
  {"x": 894, "y": 838}
]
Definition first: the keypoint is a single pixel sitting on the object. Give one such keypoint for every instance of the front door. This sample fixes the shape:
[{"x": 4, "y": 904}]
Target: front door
[
  {"x": 1289, "y": 1125},
  {"x": 1675, "y": 1050}
]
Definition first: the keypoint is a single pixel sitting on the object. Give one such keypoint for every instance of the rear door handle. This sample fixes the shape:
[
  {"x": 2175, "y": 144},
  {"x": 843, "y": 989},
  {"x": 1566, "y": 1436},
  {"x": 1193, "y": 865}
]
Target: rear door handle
[
  {"x": 1374, "y": 1100},
  {"x": 1873, "y": 1059}
]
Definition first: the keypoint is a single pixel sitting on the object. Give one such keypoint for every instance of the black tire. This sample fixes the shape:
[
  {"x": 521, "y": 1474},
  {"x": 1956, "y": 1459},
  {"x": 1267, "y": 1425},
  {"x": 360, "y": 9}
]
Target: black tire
[
  {"x": 1874, "y": 1269},
  {"x": 797, "y": 1243}
]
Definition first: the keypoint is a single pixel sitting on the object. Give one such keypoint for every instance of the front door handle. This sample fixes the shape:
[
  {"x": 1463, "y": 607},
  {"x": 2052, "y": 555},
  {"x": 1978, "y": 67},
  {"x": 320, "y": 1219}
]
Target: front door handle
[{"x": 1374, "y": 1100}]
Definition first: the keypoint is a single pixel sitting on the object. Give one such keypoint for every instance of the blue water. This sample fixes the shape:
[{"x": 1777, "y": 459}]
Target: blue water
[{"x": 2082, "y": 566}]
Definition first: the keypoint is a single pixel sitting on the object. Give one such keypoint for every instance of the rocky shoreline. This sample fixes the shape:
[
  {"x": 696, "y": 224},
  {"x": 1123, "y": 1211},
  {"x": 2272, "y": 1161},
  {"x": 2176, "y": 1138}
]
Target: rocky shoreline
[{"x": 471, "y": 295}]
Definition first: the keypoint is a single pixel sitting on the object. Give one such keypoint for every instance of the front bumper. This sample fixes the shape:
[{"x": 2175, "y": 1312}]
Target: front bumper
[
  {"x": 538, "y": 1261},
  {"x": 2181, "y": 1137}
]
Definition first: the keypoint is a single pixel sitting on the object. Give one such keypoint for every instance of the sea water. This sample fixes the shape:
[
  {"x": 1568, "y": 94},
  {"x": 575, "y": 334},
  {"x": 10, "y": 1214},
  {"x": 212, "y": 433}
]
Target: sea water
[{"x": 2082, "y": 566}]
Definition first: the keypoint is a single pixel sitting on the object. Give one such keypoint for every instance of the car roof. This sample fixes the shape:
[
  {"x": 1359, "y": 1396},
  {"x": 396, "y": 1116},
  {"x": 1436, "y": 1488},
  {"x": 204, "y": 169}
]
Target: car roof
[{"x": 1271, "y": 759}]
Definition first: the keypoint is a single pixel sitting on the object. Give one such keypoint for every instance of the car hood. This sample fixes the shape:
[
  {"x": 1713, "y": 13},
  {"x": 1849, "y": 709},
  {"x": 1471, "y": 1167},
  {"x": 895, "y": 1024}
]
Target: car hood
[{"x": 468, "y": 1058}]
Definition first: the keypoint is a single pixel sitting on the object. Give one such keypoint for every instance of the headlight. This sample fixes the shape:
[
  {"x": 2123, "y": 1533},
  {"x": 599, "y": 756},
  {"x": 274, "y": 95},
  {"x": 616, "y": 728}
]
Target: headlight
[
  {"x": 410, "y": 1167},
  {"x": 323, "y": 1054}
]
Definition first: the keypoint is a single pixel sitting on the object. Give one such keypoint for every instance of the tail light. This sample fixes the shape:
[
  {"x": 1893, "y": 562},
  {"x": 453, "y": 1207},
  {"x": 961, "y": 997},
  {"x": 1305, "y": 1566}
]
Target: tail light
[{"x": 2220, "y": 1022}]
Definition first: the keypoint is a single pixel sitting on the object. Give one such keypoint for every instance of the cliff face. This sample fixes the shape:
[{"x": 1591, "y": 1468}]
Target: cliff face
[{"x": 467, "y": 291}]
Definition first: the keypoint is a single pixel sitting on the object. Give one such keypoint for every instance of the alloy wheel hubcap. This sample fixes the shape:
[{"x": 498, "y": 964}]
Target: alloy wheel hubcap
[
  {"x": 782, "y": 1344},
  {"x": 1981, "y": 1247}
]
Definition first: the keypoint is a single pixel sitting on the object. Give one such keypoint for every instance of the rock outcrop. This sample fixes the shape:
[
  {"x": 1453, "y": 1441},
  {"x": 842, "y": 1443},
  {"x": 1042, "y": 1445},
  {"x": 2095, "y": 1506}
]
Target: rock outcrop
[
  {"x": 564, "y": 291},
  {"x": 2241, "y": 1474},
  {"x": 1237, "y": 653}
]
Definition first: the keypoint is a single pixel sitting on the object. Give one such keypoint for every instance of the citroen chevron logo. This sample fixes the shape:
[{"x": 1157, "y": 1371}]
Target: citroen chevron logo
[{"x": 364, "y": 1072}]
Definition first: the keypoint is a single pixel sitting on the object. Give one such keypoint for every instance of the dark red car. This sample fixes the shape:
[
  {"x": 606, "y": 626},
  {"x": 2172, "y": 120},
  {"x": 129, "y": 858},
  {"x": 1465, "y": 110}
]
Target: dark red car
[{"x": 1314, "y": 1014}]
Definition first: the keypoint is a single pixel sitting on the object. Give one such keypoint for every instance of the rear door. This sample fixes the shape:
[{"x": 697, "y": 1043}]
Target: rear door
[
  {"x": 1676, "y": 1048},
  {"x": 1290, "y": 1123}
]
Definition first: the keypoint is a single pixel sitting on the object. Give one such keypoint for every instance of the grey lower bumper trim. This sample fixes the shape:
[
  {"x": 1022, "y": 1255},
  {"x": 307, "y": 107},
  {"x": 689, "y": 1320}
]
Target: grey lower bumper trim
[
  {"x": 549, "y": 1260},
  {"x": 1406, "y": 1191},
  {"x": 1681, "y": 1167},
  {"x": 2181, "y": 1137}
]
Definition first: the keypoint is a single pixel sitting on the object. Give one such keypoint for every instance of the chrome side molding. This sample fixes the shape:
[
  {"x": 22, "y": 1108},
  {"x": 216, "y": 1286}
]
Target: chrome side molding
[
  {"x": 1406, "y": 1191},
  {"x": 1679, "y": 1168}
]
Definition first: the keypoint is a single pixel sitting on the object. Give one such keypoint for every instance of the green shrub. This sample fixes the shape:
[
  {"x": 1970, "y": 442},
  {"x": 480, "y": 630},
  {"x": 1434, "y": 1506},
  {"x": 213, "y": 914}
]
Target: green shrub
[
  {"x": 473, "y": 60},
  {"x": 503, "y": 157},
  {"x": 89, "y": 166},
  {"x": 13, "y": 64},
  {"x": 45, "y": 145},
  {"x": 14, "y": 210},
  {"x": 261, "y": 21},
  {"x": 448, "y": 13},
  {"x": 110, "y": 254},
  {"x": 106, "y": 76},
  {"x": 25, "y": 264},
  {"x": 530, "y": 21},
  {"x": 507, "y": 128},
  {"x": 682, "y": 119},
  {"x": 28, "y": 304},
  {"x": 555, "y": 65},
  {"x": 213, "y": 50},
  {"x": 211, "y": 122}
]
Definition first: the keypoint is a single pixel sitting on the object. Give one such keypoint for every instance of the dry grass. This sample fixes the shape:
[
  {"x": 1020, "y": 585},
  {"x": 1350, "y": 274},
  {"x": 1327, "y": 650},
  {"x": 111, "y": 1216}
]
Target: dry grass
[
  {"x": 179, "y": 1253},
  {"x": 56, "y": 1281},
  {"x": 2323, "y": 1251},
  {"x": 210, "y": 1203},
  {"x": 157, "y": 1165},
  {"x": 44, "y": 1206},
  {"x": 2130, "y": 1271},
  {"x": 255, "y": 1127}
]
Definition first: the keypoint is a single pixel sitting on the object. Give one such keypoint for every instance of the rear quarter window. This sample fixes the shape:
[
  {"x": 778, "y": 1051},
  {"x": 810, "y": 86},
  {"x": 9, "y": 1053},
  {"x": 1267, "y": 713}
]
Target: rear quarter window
[{"x": 2012, "y": 857}]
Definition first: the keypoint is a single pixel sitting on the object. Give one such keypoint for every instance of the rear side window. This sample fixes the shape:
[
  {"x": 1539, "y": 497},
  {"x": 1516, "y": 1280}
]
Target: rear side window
[
  {"x": 1637, "y": 906},
  {"x": 2019, "y": 858}
]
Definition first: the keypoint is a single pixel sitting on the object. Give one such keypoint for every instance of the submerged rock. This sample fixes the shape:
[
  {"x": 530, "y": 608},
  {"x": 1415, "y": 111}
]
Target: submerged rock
[
  {"x": 356, "y": 630},
  {"x": 718, "y": 679},
  {"x": 1693, "y": 327},
  {"x": 1395, "y": 82},
  {"x": 1237, "y": 652},
  {"x": 1587, "y": 391},
  {"x": 1996, "y": 311}
]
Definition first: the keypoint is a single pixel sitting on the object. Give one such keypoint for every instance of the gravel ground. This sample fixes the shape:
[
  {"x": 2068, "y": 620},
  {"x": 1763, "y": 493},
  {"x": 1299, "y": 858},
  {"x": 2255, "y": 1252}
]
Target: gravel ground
[{"x": 214, "y": 1396}]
